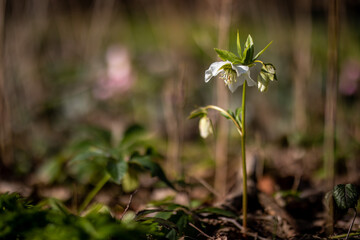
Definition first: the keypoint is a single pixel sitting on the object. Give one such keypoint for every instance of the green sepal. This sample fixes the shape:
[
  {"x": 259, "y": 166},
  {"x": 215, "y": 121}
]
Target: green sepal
[
  {"x": 262, "y": 51},
  {"x": 248, "y": 53},
  {"x": 270, "y": 70},
  {"x": 267, "y": 73},
  {"x": 263, "y": 82},
  {"x": 228, "y": 56},
  {"x": 238, "y": 45},
  {"x": 200, "y": 112}
]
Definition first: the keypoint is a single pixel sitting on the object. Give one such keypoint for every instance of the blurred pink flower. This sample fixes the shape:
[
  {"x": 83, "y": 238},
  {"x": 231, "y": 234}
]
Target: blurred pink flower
[
  {"x": 118, "y": 77},
  {"x": 350, "y": 78}
]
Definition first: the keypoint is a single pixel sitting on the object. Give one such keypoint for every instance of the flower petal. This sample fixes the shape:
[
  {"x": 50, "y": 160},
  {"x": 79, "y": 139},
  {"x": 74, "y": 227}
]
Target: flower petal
[
  {"x": 234, "y": 85},
  {"x": 214, "y": 70},
  {"x": 240, "y": 69},
  {"x": 249, "y": 80}
]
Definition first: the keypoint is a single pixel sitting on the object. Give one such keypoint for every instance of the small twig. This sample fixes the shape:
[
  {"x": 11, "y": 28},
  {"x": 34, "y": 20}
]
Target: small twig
[
  {"x": 233, "y": 221},
  {"x": 201, "y": 231},
  {"x": 207, "y": 186},
  {"x": 352, "y": 223},
  {"x": 128, "y": 205}
]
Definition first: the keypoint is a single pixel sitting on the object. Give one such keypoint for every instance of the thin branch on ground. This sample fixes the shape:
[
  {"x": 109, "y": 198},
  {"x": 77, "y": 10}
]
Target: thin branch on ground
[
  {"x": 352, "y": 223},
  {"x": 204, "y": 234},
  {"x": 128, "y": 205},
  {"x": 207, "y": 186}
]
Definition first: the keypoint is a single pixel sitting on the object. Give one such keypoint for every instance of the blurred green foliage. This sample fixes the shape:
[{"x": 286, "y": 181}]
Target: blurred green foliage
[{"x": 21, "y": 220}]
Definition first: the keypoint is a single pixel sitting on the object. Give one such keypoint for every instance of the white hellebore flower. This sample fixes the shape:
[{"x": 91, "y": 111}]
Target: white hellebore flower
[{"x": 234, "y": 75}]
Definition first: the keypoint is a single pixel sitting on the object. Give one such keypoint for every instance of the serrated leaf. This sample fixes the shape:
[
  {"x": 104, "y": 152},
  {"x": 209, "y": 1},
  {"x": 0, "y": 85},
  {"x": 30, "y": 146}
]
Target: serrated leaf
[
  {"x": 165, "y": 223},
  {"x": 164, "y": 214},
  {"x": 238, "y": 45},
  {"x": 227, "y": 56},
  {"x": 153, "y": 167},
  {"x": 346, "y": 196},
  {"x": 262, "y": 51},
  {"x": 133, "y": 135},
  {"x": 91, "y": 153},
  {"x": 217, "y": 211},
  {"x": 145, "y": 212},
  {"x": 130, "y": 181},
  {"x": 133, "y": 130},
  {"x": 117, "y": 169}
]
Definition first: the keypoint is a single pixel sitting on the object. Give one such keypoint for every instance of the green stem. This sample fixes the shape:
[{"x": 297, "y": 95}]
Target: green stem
[
  {"x": 93, "y": 193},
  {"x": 243, "y": 154},
  {"x": 344, "y": 235},
  {"x": 238, "y": 127}
]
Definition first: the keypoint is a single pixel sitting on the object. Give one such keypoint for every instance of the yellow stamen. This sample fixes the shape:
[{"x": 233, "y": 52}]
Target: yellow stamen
[{"x": 229, "y": 76}]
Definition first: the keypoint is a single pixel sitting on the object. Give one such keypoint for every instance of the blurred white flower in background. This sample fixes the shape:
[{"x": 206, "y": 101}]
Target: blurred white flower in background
[{"x": 118, "y": 77}]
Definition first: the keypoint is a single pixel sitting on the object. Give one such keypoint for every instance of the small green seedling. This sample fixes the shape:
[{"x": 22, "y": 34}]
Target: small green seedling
[
  {"x": 345, "y": 197},
  {"x": 234, "y": 70}
]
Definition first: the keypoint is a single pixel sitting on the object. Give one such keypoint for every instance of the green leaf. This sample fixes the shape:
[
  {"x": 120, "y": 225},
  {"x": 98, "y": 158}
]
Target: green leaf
[
  {"x": 346, "y": 196},
  {"x": 238, "y": 115},
  {"x": 224, "y": 115},
  {"x": 130, "y": 180},
  {"x": 96, "y": 209},
  {"x": 117, "y": 169},
  {"x": 200, "y": 112},
  {"x": 163, "y": 222},
  {"x": 262, "y": 51},
  {"x": 153, "y": 167},
  {"x": 238, "y": 45},
  {"x": 228, "y": 56},
  {"x": 217, "y": 211},
  {"x": 145, "y": 212},
  {"x": 90, "y": 154},
  {"x": 132, "y": 136},
  {"x": 57, "y": 205},
  {"x": 238, "y": 111},
  {"x": 231, "y": 113}
]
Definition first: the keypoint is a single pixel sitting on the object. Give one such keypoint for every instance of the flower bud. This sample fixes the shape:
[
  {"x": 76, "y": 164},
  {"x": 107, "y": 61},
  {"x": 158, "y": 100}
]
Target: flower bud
[{"x": 205, "y": 127}]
